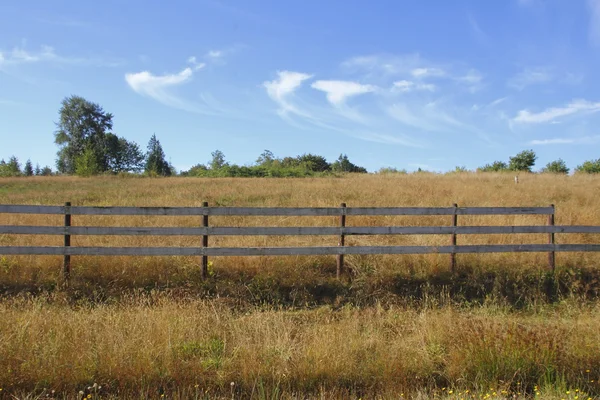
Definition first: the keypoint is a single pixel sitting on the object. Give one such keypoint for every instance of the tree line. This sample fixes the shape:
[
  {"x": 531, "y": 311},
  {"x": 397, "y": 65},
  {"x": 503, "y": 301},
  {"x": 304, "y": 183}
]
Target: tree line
[{"x": 88, "y": 146}]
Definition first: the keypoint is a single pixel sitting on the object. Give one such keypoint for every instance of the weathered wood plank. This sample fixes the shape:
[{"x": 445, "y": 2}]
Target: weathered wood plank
[
  {"x": 30, "y": 209},
  {"x": 447, "y": 210},
  {"x": 266, "y": 211},
  {"x": 504, "y": 210},
  {"x": 287, "y": 231},
  {"x": 182, "y": 211},
  {"x": 280, "y": 251}
]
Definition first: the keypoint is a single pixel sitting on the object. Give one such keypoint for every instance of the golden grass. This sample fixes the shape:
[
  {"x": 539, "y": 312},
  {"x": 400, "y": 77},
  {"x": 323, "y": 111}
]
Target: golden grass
[
  {"x": 160, "y": 343},
  {"x": 144, "y": 327},
  {"x": 575, "y": 198}
]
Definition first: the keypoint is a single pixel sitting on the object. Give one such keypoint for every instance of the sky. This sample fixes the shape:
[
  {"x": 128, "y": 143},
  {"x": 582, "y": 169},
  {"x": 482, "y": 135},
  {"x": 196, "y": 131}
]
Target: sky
[{"x": 400, "y": 83}]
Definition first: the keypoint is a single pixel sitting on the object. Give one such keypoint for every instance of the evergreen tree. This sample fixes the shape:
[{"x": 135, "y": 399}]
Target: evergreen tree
[
  {"x": 156, "y": 163},
  {"x": 38, "y": 170},
  {"x": 343, "y": 164},
  {"x": 28, "y": 170},
  {"x": 13, "y": 166},
  {"x": 46, "y": 171}
]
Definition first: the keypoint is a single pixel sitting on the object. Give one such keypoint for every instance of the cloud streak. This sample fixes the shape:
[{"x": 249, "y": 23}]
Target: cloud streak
[
  {"x": 579, "y": 140},
  {"x": 161, "y": 87},
  {"x": 531, "y": 76},
  {"x": 576, "y": 107},
  {"x": 406, "y": 86},
  {"x": 339, "y": 91},
  {"x": 46, "y": 54},
  {"x": 282, "y": 89}
]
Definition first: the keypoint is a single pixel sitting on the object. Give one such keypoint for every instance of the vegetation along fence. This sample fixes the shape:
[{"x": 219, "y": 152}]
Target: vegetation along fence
[{"x": 204, "y": 251}]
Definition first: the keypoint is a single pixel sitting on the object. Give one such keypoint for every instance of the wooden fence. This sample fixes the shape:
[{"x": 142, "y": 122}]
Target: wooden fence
[{"x": 341, "y": 230}]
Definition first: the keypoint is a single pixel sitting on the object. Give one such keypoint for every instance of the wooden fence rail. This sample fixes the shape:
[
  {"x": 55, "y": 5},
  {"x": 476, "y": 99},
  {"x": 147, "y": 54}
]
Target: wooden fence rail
[{"x": 341, "y": 231}]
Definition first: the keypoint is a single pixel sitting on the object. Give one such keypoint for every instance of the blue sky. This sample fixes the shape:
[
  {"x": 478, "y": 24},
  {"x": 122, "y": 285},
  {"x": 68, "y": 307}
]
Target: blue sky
[{"x": 407, "y": 84}]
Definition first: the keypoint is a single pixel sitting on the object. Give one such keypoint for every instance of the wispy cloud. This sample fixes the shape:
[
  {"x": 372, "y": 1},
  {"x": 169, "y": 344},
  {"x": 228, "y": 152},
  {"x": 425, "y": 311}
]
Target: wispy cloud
[
  {"x": 339, "y": 91},
  {"x": 411, "y": 72},
  {"x": 594, "y": 29},
  {"x": 281, "y": 89},
  {"x": 405, "y": 86},
  {"x": 46, "y": 54},
  {"x": 478, "y": 33},
  {"x": 215, "y": 54},
  {"x": 197, "y": 65},
  {"x": 578, "y": 140},
  {"x": 381, "y": 66},
  {"x": 420, "y": 73},
  {"x": 548, "y": 115},
  {"x": 340, "y": 118},
  {"x": 473, "y": 80},
  {"x": 409, "y": 94},
  {"x": 437, "y": 117},
  {"x": 497, "y": 101},
  {"x": 160, "y": 88},
  {"x": 531, "y": 76},
  {"x": 417, "y": 117},
  {"x": 396, "y": 139}
]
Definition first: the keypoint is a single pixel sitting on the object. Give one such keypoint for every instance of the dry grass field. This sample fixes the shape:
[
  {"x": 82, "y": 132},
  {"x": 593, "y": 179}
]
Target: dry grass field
[{"x": 500, "y": 326}]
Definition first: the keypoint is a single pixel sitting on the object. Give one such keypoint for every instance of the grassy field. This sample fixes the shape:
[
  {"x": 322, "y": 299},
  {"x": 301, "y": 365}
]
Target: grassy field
[{"x": 500, "y": 326}]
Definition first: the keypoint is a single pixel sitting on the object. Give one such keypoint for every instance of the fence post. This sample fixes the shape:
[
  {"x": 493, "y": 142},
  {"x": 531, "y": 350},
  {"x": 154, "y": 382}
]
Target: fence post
[
  {"x": 453, "y": 238},
  {"x": 340, "y": 257},
  {"x": 67, "y": 257},
  {"x": 205, "y": 241},
  {"x": 551, "y": 255}
]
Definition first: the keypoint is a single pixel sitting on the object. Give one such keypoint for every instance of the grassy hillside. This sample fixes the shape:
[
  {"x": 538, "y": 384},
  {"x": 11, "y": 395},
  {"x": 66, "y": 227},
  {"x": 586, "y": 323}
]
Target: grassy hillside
[{"x": 283, "y": 327}]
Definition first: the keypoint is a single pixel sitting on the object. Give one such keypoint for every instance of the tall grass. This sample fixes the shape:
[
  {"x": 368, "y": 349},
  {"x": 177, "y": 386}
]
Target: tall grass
[
  {"x": 574, "y": 197},
  {"x": 283, "y": 327},
  {"x": 159, "y": 344}
]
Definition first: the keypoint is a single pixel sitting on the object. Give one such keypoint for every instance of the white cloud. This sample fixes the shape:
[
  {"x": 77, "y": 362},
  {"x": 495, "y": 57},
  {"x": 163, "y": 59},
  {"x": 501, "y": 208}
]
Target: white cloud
[
  {"x": 594, "y": 29},
  {"x": 158, "y": 87},
  {"x": 497, "y": 101},
  {"x": 473, "y": 80},
  {"x": 383, "y": 64},
  {"x": 280, "y": 89},
  {"x": 579, "y": 140},
  {"x": 214, "y": 54},
  {"x": 414, "y": 117},
  {"x": 197, "y": 65},
  {"x": 408, "y": 86},
  {"x": 531, "y": 76},
  {"x": 472, "y": 77},
  {"x": 387, "y": 139},
  {"x": 19, "y": 55},
  {"x": 478, "y": 33},
  {"x": 427, "y": 72},
  {"x": 146, "y": 83},
  {"x": 551, "y": 141},
  {"x": 548, "y": 115},
  {"x": 339, "y": 91}
]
